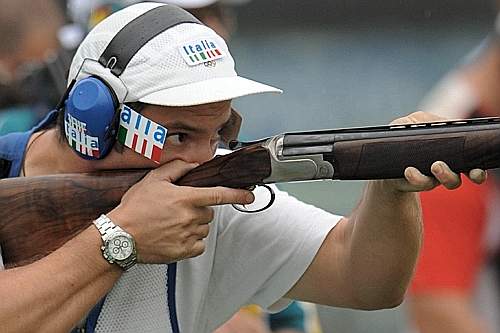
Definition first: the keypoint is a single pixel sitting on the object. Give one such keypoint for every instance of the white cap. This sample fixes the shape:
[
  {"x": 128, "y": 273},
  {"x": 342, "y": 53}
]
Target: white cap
[{"x": 168, "y": 70}]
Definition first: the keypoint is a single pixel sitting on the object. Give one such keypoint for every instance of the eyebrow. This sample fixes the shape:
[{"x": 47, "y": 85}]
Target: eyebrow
[{"x": 180, "y": 126}]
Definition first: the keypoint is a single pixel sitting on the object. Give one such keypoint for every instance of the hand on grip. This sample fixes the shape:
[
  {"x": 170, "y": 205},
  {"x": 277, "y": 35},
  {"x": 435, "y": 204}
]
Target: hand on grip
[{"x": 170, "y": 222}]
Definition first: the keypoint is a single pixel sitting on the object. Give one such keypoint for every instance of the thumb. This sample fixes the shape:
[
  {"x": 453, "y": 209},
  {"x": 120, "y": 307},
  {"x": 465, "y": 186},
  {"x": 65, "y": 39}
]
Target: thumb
[{"x": 173, "y": 170}]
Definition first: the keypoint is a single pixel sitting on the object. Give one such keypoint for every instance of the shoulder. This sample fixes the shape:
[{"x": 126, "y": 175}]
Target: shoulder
[{"x": 12, "y": 148}]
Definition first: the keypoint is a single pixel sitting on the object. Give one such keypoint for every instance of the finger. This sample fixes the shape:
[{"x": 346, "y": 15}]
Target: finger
[
  {"x": 424, "y": 117},
  {"x": 417, "y": 117},
  {"x": 400, "y": 121},
  {"x": 478, "y": 176},
  {"x": 202, "y": 214},
  {"x": 417, "y": 181},
  {"x": 198, "y": 248},
  {"x": 214, "y": 196},
  {"x": 202, "y": 231},
  {"x": 173, "y": 170},
  {"x": 445, "y": 176}
]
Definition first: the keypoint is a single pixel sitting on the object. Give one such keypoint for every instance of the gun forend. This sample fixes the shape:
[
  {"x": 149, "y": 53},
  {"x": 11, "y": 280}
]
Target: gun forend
[{"x": 382, "y": 152}]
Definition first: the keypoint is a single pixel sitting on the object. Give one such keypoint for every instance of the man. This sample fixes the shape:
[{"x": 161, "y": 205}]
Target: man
[
  {"x": 297, "y": 317},
  {"x": 198, "y": 263}
]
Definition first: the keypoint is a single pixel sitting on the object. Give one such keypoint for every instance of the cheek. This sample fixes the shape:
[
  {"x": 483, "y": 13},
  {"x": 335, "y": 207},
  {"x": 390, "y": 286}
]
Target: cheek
[
  {"x": 191, "y": 151},
  {"x": 132, "y": 160}
]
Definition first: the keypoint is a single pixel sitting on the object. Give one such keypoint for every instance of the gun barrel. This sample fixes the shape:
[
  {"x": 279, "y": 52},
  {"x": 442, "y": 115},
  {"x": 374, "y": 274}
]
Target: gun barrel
[
  {"x": 324, "y": 138},
  {"x": 382, "y": 152}
]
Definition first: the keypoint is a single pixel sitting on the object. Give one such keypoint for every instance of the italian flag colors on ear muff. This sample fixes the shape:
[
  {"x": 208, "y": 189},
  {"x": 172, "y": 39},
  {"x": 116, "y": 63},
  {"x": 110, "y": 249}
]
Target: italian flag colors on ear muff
[
  {"x": 141, "y": 134},
  {"x": 78, "y": 139}
]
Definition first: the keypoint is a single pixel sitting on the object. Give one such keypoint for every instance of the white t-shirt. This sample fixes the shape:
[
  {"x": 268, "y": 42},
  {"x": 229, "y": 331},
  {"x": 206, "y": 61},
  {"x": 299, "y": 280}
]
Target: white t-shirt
[{"x": 249, "y": 259}]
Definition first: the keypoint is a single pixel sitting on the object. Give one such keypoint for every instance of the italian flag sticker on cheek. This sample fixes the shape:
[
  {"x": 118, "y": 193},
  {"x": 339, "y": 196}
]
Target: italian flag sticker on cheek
[{"x": 141, "y": 134}]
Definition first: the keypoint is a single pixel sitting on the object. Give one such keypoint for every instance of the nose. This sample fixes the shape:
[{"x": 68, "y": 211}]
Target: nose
[{"x": 200, "y": 154}]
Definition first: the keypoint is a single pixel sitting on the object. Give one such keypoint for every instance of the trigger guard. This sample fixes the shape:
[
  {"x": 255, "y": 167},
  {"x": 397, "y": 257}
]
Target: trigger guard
[{"x": 269, "y": 204}]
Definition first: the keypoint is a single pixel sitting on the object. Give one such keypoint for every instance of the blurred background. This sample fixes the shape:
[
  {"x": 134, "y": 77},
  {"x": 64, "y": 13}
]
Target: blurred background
[{"x": 341, "y": 64}]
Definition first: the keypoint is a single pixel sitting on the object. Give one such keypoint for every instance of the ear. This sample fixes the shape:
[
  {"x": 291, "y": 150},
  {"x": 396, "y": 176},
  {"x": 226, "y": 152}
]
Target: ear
[{"x": 231, "y": 130}]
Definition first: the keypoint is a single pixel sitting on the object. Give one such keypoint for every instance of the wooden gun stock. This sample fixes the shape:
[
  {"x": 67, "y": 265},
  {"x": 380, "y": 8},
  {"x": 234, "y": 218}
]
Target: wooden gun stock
[{"x": 40, "y": 214}]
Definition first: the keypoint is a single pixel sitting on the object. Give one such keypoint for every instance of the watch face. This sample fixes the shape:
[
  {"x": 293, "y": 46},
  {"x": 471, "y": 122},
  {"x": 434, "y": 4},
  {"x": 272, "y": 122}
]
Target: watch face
[{"x": 120, "y": 247}]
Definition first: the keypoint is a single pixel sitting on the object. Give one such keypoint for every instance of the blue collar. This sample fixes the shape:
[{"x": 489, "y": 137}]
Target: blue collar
[{"x": 13, "y": 145}]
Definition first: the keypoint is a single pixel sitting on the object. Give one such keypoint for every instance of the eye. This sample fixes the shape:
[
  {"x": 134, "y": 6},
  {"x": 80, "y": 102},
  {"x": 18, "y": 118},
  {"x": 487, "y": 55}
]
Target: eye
[{"x": 176, "y": 138}]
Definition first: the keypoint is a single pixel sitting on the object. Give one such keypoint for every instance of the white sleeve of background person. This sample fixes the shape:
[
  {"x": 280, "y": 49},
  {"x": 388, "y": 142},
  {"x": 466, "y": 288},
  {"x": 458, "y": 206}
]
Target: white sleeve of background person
[
  {"x": 452, "y": 98},
  {"x": 260, "y": 256},
  {"x": 1, "y": 261}
]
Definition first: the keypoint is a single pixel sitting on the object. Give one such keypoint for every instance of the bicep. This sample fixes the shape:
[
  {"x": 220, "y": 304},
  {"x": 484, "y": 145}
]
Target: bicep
[
  {"x": 325, "y": 281},
  {"x": 274, "y": 248}
]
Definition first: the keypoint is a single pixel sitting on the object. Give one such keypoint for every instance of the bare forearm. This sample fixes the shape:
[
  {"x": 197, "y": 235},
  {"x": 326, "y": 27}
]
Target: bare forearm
[
  {"x": 53, "y": 294},
  {"x": 367, "y": 260},
  {"x": 385, "y": 238}
]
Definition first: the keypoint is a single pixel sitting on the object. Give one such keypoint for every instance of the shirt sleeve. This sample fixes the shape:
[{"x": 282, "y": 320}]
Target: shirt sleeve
[
  {"x": 259, "y": 257},
  {"x": 453, "y": 251}
]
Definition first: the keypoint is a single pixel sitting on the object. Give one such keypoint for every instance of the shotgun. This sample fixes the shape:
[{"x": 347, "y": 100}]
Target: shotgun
[{"x": 41, "y": 213}]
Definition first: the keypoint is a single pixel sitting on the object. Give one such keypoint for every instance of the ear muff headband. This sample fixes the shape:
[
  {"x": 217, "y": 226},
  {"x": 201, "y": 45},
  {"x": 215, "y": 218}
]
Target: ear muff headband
[
  {"x": 133, "y": 36},
  {"x": 92, "y": 106}
]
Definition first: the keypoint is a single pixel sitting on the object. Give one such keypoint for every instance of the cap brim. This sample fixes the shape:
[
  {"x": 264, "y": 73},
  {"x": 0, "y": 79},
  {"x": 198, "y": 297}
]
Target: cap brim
[{"x": 208, "y": 91}]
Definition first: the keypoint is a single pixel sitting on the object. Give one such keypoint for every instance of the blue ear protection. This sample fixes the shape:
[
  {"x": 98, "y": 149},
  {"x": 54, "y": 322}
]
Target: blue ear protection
[
  {"x": 92, "y": 105},
  {"x": 91, "y": 109}
]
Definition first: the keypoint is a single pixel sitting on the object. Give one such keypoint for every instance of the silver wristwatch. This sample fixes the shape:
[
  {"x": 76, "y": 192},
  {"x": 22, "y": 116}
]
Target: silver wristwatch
[{"x": 118, "y": 246}]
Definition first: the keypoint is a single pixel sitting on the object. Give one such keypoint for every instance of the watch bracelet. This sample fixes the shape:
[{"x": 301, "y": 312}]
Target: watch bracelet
[{"x": 106, "y": 228}]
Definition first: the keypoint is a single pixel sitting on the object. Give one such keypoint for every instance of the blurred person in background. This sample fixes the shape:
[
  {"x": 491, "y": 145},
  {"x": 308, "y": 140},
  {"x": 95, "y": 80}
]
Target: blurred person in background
[
  {"x": 29, "y": 33},
  {"x": 461, "y": 227},
  {"x": 299, "y": 317}
]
